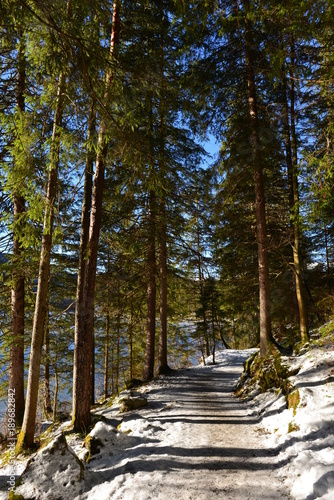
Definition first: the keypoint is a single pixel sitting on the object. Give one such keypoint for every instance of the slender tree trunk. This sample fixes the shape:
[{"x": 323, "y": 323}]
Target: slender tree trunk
[
  {"x": 55, "y": 397},
  {"x": 200, "y": 277},
  {"x": 131, "y": 344},
  {"x": 80, "y": 310},
  {"x": 118, "y": 332},
  {"x": 163, "y": 365},
  {"x": 291, "y": 159},
  {"x": 264, "y": 285},
  {"x": 151, "y": 292},
  {"x": 47, "y": 396},
  {"x": 148, "y": 372},
  {"x": 84, "y": 328},
  {"x": 213, "y": 332},
  {"x": 106, "y": 353},
  {"x": 26, "y": 437},
  {"x": 106, "y": 342},
  {"x": 16, "y": 352},
  {"x": 297, "y": 260},
  {"x": 327, "y": 251}
]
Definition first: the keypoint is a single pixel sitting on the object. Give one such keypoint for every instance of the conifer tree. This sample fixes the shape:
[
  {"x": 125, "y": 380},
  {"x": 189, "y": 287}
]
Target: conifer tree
[
  {"x": 16, "y": 361},
  {"x": 84, "y": 345}
]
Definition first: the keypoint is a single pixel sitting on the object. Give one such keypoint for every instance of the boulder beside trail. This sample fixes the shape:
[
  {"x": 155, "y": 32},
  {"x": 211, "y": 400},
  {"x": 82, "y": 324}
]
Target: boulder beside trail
[
  {"x": 53, "y": 473},
  {"x": 130, "y": 403}
]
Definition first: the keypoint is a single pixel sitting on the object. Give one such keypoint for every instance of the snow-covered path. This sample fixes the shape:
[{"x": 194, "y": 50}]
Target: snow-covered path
[{"x": 195, "y": 440}]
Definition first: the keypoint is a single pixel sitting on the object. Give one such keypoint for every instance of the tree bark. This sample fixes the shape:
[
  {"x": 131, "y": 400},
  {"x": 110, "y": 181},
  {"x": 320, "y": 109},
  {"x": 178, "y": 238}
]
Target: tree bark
[
  {"x": 151, "y": 292},
  {"x": 118, "y": 332},
  {"x": 106, "y": 342},
  {"x": 131, "y": 343},
  {"x": 106, "y": 353},
  {"x": 163, "y": 365},
  {"x": 264, "y": 284},
  {"x": 84, "y": 328},
  {"x": 26, "y": 436},
  {"x": 291, "y": 159},
  {"x": 297, "y": 260},
  {"x": 16, "y": 352},
  {"x": 55, "y": 396},
  {"x": 47, "y": 397}
]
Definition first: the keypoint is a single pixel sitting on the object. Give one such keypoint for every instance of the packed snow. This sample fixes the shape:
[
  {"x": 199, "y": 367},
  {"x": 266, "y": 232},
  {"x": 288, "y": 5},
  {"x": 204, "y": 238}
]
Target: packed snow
[
  {"x": 304, "y": 436},
  {"x": 196, "y": 440}
]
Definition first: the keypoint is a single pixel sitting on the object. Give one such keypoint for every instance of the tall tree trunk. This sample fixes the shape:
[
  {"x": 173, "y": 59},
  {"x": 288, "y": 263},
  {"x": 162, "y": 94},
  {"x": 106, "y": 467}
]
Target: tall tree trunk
[
  {"x": 264, "y": 285},
  {"x": 162, "y": 358},
  {"x": 118, "y": 332},
  {"x": 84, "y": 328},
  {"x": 47, "y": 397},
  {"x": 106, "y": 352},
  {"x": 151, "y": 292},
  {"x": 131, "y": 343},
  {"x": 201, "y": 278},
  {"x": 213, "y": 332},
  {"x": 297, "y": 260},
  {"x": 16, "y": 352},
  {"x": 163, "y": 365},
  {"x": 26, "y": 436},
  {"x": 106, "y": 342},
  {"x": 291, "y": 160},
  {"x": 327, "y": 251},
  {"x": 80, "y": 310}
]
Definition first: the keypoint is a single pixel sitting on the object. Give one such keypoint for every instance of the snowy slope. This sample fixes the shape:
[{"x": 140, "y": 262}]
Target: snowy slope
[{"x": 304, "y": 436}]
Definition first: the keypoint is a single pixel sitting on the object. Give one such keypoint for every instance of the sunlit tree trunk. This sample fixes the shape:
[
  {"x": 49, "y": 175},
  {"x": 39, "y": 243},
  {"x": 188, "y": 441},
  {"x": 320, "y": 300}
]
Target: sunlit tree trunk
[
  {"x": 297, "y": 260},
  {"x": 151, "y": 291},
  {"x": 264, "y": 285},
  {"x": 291, "y": 159}
]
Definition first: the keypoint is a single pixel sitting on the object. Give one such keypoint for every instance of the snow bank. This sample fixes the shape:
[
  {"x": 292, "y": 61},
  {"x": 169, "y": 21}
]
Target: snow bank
[
  {"x": 305, "y": 434},
  {"x": 54, "y": 472}
]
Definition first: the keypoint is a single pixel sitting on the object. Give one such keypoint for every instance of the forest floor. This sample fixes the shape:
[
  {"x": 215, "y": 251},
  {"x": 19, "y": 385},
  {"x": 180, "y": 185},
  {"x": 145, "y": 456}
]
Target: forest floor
[{"x": 194, "y": 440}]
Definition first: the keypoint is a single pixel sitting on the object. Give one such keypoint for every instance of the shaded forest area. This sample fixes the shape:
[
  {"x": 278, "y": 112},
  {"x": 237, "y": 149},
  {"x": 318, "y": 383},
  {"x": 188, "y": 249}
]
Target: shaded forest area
[{"x": 124, "y": 246}]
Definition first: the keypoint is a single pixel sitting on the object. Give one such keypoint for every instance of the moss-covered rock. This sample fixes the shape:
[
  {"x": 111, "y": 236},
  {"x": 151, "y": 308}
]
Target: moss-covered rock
[
  {"x": 268, "y": 372},
  {"x": 93, "y": 446},
  {"x": 132, "y": 403}
]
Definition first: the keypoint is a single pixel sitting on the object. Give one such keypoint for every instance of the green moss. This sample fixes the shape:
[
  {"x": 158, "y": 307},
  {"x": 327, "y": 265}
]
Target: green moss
[
  {"x": 5, "y": 457},
  {"x": 294, "y": 400},
  {"x": 20, "y": 444},
  {"x": 93, "y": 446},
  {"x": 12, "y": 496},
  {"x": 269, "y": 372},
  {"x": 293, "y": 427},
  {"x": 248, "y": 363}
]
